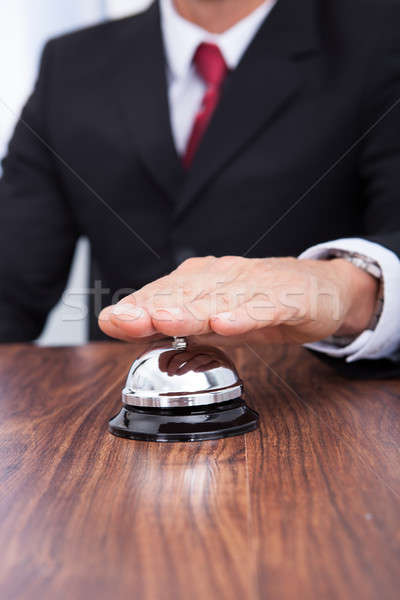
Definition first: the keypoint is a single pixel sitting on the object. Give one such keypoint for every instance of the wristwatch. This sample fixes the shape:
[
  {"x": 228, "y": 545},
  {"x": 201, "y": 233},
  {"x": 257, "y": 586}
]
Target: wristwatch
[{"x": 372, "y": 268}]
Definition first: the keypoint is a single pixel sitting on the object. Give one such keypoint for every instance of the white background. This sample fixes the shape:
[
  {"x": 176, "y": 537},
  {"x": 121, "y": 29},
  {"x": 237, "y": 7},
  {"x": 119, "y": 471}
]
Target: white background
[{"x": 24, "y": 27}]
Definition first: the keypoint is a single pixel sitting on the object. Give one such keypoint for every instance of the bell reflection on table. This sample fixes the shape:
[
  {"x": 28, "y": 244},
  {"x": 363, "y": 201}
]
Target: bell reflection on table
[{"x": 181, "y": 392}]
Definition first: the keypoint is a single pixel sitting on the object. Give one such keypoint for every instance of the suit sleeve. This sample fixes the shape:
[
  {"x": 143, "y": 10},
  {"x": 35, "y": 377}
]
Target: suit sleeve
[
  {"x": 379, "y": 168},
  {"x": 38, "y": 234},
  {"x": 380, "y": 133}
]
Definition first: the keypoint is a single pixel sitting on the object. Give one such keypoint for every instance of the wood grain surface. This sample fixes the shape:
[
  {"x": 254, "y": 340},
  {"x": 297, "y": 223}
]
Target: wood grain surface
[{"x": 308, "y": 507}]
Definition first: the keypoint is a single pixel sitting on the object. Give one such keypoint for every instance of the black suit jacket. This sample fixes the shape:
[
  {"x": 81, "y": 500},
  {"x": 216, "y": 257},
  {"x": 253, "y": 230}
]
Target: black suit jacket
[{"x": 304, "y": 147}]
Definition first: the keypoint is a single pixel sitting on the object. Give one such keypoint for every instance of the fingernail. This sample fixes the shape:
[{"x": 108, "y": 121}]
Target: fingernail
[
  {"x": 127, "y": 312},
  {"x": 168, "y": 314},
  {"x": 105, "y": 314}
]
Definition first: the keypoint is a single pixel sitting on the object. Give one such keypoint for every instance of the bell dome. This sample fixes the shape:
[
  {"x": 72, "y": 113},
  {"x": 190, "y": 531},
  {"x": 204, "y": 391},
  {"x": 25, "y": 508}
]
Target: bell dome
[{"x": 172, "y": 373}]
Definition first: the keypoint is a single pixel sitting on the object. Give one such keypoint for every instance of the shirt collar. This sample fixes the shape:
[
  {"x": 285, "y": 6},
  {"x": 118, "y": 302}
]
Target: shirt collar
[{"x": 181, "y": 37}]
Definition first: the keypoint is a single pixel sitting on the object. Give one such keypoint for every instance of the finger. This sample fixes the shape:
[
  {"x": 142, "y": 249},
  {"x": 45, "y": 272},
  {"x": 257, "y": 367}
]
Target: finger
[
  {"x": 157, "y": 293},
  {"x": 193, "y": 280},
  {"x": 248, "y": 317},
  {"x": 162, "y": 300},
  {"x": 179, "y": 304},
  {"x": 181, "y": 285},
  {"x": 182, "y": 321},
  {"x": 192, "y": 316},
  {"x": 130, "y": 320},
  {"x": 106, "y": 325}
]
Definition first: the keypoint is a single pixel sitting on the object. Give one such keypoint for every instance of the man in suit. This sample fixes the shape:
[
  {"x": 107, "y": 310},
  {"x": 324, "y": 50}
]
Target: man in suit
[{"x": 226, "y": 132}]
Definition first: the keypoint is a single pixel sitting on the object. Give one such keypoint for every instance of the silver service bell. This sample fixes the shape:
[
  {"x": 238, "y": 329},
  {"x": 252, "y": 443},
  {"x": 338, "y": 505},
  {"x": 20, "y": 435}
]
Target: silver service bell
[{"x": 179, "y": 391}]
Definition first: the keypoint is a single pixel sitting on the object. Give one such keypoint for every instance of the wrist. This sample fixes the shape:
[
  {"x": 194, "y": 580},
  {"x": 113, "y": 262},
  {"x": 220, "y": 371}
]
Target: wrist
[{"x": 361, "y": 291}]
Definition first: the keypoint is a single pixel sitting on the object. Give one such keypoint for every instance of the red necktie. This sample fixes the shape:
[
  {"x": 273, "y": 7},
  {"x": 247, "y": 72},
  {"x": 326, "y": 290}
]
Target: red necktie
[{"x": 211, "y": 66}]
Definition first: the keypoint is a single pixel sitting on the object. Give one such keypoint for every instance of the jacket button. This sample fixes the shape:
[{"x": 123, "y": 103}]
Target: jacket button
[{"x": 183, "y": 253}]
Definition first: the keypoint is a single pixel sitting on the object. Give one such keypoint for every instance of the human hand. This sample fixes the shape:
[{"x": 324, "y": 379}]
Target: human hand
[{"x": 281, "y": 300}]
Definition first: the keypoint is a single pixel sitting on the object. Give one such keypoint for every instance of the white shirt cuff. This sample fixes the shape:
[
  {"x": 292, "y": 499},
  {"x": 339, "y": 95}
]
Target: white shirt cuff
[{"x": 384, "y": 341}]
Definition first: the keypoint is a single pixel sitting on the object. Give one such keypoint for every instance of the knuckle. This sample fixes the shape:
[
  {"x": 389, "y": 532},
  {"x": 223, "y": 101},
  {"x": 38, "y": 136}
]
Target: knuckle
[
  {"x": 228, "y": 260},
  {"x": 225, "y": 300},
  {"x": 192, "y": 262},
  {"x": 202, "y": 295},
  {"x": 225, "y": 264}
]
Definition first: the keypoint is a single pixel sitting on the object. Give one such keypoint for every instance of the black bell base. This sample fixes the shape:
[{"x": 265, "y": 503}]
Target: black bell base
[{"x": 192, "y": 424}]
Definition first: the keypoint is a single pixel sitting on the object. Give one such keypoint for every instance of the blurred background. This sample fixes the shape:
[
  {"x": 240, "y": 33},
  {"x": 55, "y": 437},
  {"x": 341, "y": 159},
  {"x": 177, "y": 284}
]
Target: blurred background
[{"x": 25, "y": 25}]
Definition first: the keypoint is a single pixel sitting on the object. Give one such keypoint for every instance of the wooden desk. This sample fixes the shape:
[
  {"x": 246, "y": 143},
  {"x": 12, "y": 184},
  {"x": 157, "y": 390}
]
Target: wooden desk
[{"x": 308, "y": 507}]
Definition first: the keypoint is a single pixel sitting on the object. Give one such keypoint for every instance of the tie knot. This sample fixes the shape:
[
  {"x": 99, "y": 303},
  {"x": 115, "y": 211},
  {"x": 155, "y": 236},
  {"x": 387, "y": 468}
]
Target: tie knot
[{"x": 210, "y": 64}]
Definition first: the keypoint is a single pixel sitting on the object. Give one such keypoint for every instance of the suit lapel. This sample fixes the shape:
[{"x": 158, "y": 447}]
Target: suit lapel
[
  {"x": 142, "y": 90},
  {"x": 266, "y": 79}
]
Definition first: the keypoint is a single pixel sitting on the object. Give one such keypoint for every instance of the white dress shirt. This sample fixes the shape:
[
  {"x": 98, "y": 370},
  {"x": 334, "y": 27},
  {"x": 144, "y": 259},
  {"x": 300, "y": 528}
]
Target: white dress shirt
[
  {"x": 181, "y": 40},
  {"x": 185, "y": 92}
]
